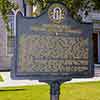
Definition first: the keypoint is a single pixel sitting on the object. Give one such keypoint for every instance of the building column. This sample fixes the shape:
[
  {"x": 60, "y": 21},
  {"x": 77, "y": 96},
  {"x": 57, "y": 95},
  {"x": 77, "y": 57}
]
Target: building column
[
  {"x": 98, "y": 47},
  {"x": 29, "y": 10}
]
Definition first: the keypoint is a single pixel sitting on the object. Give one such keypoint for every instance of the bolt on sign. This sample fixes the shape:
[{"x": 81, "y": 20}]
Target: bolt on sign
[{"x": 52, "y": 46}]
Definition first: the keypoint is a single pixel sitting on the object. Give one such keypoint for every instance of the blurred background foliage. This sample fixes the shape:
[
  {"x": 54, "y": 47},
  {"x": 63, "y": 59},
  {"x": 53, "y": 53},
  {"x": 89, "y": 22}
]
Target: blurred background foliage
[{"x": 72, "y": 5}]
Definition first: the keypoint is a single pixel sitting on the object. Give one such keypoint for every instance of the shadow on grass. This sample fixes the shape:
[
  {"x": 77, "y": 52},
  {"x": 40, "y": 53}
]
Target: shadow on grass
[{"x": 4, "y": 90}]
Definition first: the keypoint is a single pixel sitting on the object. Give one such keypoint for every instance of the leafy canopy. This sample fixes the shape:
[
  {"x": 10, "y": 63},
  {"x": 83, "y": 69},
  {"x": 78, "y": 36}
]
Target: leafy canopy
[
  {"x": 5, "y": 8},
  {"x": 73, "y": 5}
]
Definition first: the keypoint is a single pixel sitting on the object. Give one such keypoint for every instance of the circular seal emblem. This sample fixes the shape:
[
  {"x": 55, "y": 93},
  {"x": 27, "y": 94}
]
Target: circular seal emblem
[{"x": 57, "y": 13}]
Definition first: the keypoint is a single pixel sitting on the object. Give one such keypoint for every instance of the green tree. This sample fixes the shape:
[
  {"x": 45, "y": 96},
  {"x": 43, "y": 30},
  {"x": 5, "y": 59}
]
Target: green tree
[
  {"x": 97, "y": 4},
  {"x": 72, "y": 5},
  {"x": 5, "y": 9}
]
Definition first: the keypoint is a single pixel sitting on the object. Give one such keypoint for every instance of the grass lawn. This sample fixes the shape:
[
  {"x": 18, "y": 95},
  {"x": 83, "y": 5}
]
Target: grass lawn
[{"x": 73, "y": 91}]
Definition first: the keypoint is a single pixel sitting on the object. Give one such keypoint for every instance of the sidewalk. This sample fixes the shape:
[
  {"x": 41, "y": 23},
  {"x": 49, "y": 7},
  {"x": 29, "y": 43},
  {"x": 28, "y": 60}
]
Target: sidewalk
[{"x": 11, "y": 83}]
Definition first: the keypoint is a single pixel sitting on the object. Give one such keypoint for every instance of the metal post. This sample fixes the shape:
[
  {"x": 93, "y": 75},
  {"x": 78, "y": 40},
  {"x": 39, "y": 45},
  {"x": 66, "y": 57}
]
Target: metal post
[
  {"x": 55, "y": 90},
  {"x": 55, "y": 87}
]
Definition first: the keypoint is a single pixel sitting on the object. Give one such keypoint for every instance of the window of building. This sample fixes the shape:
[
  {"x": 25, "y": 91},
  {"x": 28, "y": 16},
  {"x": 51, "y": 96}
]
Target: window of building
[{"x": 11, "y": 35}]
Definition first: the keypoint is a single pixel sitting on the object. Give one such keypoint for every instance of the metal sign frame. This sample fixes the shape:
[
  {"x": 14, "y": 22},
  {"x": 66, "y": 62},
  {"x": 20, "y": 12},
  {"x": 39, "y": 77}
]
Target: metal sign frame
[{"x": 43, "y": 19}]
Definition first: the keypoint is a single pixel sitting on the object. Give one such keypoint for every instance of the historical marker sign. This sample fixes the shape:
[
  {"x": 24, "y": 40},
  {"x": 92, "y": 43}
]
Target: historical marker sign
[{"x": 52, "y": 46}]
